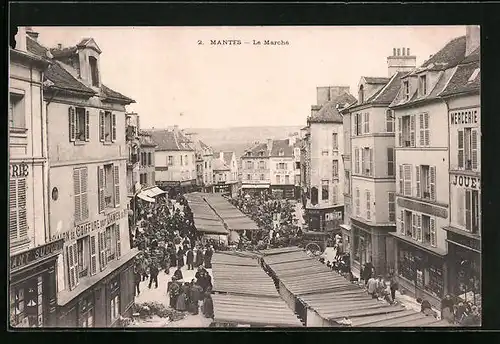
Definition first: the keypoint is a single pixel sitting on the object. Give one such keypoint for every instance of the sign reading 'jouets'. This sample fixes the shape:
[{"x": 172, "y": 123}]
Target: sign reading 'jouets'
[{"x": 466, "y": 182}]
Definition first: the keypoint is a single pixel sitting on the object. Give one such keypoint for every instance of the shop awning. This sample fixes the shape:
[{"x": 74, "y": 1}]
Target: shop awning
[
  {"x": 146, "y": 198},
  {"x": 256, "y": 186},
  {"x": 153, "y": 192}
]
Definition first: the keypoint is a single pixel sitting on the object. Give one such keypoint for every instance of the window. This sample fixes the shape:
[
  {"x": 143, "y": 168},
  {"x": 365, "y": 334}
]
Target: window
[
  {"x": 109, "y": 186},
  {"x": 262, "y": 165},
  {"x": 368, "y": 203},
  {"x": 314, "y": 195},
  {"x": 297, "y": 165},
  {"x": 467, "y": 149},
  {"x": 367, "y": 161},
  {"x": 472, "y": 211},
  {"x": 406, "y": 131},
  {"x": 281, "y": 166},
  {"x": 249, "y": 177},
  {"x": 392, "y": 206},
  {"x": 17, "y": 115},
  {"x": 82, "y": 249},
  {"x": 390, "y": 162},
  {"x": 335, "y": 169},
  {"x": 150, "y": 159},
  {"x": 325, "y": 185},
  {"x": 261, "y": 177},
  {"x": 72, "y": 259},
  {"x": 182, "y": 164},
  {"x": 94, "y": 71},
  {"x": 406, "y": 90},
  {"x": 422, "y": 85},
  {"x": 405, "y": 184},
  {"x": 324, "y": 152},
  {"x": 261, "y": 153},
  {"x": 358, "y": 212},
  {"x": 278, "y": 179},
  {"x": 426, "y": 229},
  {"x": 107, "y": 126},
  {"x": 408, "y": 216},
  {"x": 79, "y": 127},
  {"x": 347, "y": 183},
  {"x": 281, "y": 153},
  {"x": 356, "y": 160},
  {"x": 115, "y": 308},
  {"x": 86, "y": 312},
  {"x": 366, "y": 123},
  {"x": 424, "y": 129},
  {"x": 389, "y": 121},
  {"x": 110, "y": 237},
  {"x": 287, "y": 179},
  {"x": 249, "y": 165},
  {"x": 80, "y": 181},
  {"x": 18, "y": 225},
  {"x": 357, "y": 124},
  {"x": 335, "y": 141},
  {"x": 186, "y": 162},
  {"x": 206, "y": 165}
]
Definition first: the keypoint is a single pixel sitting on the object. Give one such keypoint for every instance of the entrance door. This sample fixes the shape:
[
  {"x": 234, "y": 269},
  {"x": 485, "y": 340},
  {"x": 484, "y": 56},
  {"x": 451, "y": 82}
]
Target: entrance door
[{"x": 314, "y": 223}]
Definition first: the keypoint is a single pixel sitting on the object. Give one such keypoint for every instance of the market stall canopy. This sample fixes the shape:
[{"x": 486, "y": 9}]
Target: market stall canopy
[
  {"x": 146, "y": 198},
  {"x": 256, "y": 311},
  {"x": 280, "y": 250},
  {"x": 152, "y": 192},
  {"x": 287, "y": 257}
]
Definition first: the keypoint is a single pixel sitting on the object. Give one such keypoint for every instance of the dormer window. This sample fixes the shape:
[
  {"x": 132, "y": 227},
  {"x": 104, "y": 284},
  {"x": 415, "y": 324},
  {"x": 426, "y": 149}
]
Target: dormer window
[
  {"x": 361, "y": 94},
  {"x": 422, "y": 85},
  {"x": 281, "y": 153},
  {"x": 94, "y": 71},
  {"x": 406, "y": 90},
  {"x": 261, "y": 153},
  {"x": 249, "y": 154}
]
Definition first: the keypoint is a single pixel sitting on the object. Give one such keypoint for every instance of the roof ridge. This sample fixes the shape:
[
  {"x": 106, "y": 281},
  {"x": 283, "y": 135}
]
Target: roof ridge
[
  {"x": 385, "y": 87},
  {"x": 176, "y": 141},
  {"x": 448, "y": 81}
]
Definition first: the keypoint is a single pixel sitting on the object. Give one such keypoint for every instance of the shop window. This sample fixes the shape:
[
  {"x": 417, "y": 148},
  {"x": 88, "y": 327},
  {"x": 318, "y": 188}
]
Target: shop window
[
  {"x": 115, "y": 308},
  {"x": 325, "y": 186},
  {"x": 17, "y": 114},
  {"x": 406, "y": 131},
  {"x": 79, "y": 126},
  {"x": 26, "y": 303},
  {"x": 433, "y": 279},
  {"x": 80, "y": 184},
  {"x": 472, "y": 211},
  {"x": 86, "y": 312},
  {"x": 107, "y": 126},
  {"x": 82, "y": 249},
  {"x": 18, "y": 225}
]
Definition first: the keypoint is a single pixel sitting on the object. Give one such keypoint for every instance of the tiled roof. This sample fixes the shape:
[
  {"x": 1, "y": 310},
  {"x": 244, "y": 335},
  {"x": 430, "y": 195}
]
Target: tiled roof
[
  {"x": 219, "y": 165},
  {"x": 376, "y": 80},
  {"x": 170, "y": 140},
  {"x": 387, "y": 93},
  {"x": 258, "y": 148},
  {"x": 472, "y": 57},
  {"x": 460, "y": 83},
  {"x": 227, "y": 157},
  {"x": 36, "y": 48},
  {"x": 449, "y": 56},
  {"x": 64, "y": 52},
  {"x": 145, "y": 140},
  {"x": 62, "y": 79},
  {"x": 329, "y": 112},
  {"x": 282, "y": 145},
  {"x": 109, "y": 93}
]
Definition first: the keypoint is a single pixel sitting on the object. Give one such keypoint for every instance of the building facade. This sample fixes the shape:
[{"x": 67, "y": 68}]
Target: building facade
[
  {"x": 325, "y": 179},
  {"x": 422, "y": 175},
  {"x": 225, "y": 173},
  {"x": 255, "y": 170},
  {"x": 175, "y": 160},
  {"x": 87, "y": 155},
  {"x": 33, "y": 256},
  {"x": 347, "y": 189},
  {"x": 373, "y": 167},
  {"x": 282, "y": 168}
]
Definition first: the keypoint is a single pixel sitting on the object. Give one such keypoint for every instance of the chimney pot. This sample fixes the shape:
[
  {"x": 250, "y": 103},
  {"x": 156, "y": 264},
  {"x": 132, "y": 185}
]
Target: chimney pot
[
  {"x": 399, "y": 52},
  {"x": 408, "y": 51},
  {"x": 394, "y": 52},
  {"x": 403, "y": 51}
]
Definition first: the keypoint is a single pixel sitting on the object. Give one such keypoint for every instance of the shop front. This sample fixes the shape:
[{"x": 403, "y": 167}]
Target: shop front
[
  {"x": 32, "y": 287},
  {"x": 327, "y": 219},
  {"x": 102, "y": 299},
  {"x": 255, "y": 190},
  {"x": 283, "y": 191}
]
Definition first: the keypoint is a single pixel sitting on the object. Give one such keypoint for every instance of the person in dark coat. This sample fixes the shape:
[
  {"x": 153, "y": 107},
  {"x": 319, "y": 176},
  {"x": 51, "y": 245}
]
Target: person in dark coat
[
  {"x": 153, "y": 271},
  {"x": 394, "y": 285},
  {"x": 447, "y": 309},
  {"x": 174, "y": 292},
  {"x": 208, "y": 258},
  {"x": 199, "y": 257},
  {"x": 196, "y": 294},
  {"x": 208, "y": 306},
  {"x": 190, "y": 259},
  {"x": 182, "y": 299},
  {"x": 367, "y": 272},
  {"x": 180, "y": 258},
  {"x": 173, "y": 257},
  {"x": 178, "y": 274},
  {"x": 137, "y": 279}
]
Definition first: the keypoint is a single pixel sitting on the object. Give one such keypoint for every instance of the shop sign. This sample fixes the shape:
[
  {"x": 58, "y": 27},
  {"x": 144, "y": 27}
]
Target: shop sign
[
  {"x": 422, "y": 208},
  {"x": 466, "y": 182},
  {"x": 474, "y": 244},
  {"x": 464, "y": 117},
  {"x": 19, "y": 170},
  {"x": 23, "y": 259},
  {"x": 86, "y": 228}
]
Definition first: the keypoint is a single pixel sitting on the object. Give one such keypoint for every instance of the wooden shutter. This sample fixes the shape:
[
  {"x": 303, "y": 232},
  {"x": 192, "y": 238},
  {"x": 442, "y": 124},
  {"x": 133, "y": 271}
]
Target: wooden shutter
[
  {"x": 419, "y": 227},
  {"x": 402, "y": 222},
  {"x": 335, "y": 191},
  {"x": 407, "y": 180},
  {"x": 93, "y": 258},
  {"x": 77, "y": 191},
  {"x": 113, "y": 127},
  {"x": 100, "y": 188},
  {"x": 414, "y": 226},
  {"x": 474, "y": 148},
  {"x": 102, "y": 251},
  {"x": 367, "y": 123},
  {"x": 84, "y": 193},
  {"x": 72, "y": 123},
  {"x": 116, "y": 175},
  {"x": 359, "y": 124},
  {"x": 75, "y": 264},
  {"x": 400, "y": 134},
  {"x": 433, "y": 232},
  {"x": 412, "y": 131},
  {"x": 460, "y": 148},
  {"x": 422, "y": 131},
  {"x": 72, "y": 258},
  {"x": 13, "y": 222},
  {"x": 427, "y": 130},
  {"x": 356, "y": 160},
  {"x": 118, "y": 242},
  {"x": 87, "y": 126},
  {"x": 432, "y": 178},
  {"x": 101, "y": 126},
  {"x": 21, "y": 208},
  {"x": 370, "y": 152},
  {"x": 357, "y": 201},
  {"x": 417, "y": 180},
  {"x": 401, "y": 180},
  {"x": 468, "y": 209},
  {"x": 368, "y": 214},
  {"x": 363, "y": 160},
  {"x": 460, "y": 209}
]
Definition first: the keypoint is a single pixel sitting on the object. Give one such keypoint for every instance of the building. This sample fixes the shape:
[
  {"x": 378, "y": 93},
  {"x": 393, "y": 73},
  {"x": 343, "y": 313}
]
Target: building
[
  {"x": 282, "y": 167},
  {"x": 87, "y": 154},
  {"x": 297, "y": 158},
  {"x": 463, "y": 99},
  {"x": 422, "y": 174},
  {"x": 325, "y": 206},
  {"x": 33, "y": 255},
  {"x": 347, "y": 191},
  {"x": 225, "y": 173},
  {"x": 175, "y": 160},
  {"x": 372, "y": 178},
  {"x": 305, "y": 159},
  {"x": 256, "y": 177},
  {"x": 204, "y": 156},
  {"x": 147, "y": 169}
]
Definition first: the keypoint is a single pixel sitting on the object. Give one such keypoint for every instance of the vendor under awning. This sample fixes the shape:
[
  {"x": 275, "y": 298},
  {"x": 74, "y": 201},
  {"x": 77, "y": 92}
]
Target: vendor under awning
[{"x": 150, "y": 193}]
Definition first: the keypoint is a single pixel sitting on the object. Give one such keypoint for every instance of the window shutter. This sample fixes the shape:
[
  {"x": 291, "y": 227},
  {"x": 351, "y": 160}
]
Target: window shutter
[
  {"x": 100, "y": 188},
  {"x": 433, "y": 232},
  {"x": 422, "y": 132},
  {"x": 84, "y": 193},
  {"x": 468, "y": 209},
  {"x": 359, "y": 124},
  {"x": 407, "y": 180},
  {"x": 460, "y": 148},
  {"x": 71, "y": 267},
  {"x": 402, "y": 222},
  {"x": 93, "y": 258},
  {"x": 87, "y": 126},
  {"x": 414, "y": 226},
  {"x": 118, "y": 242},
  {"x": 72, "y": 123},
  {"x": 101, "y": 126},
  {"x": 77, "y": 191},
  {"x": 371, "y": 161},
  {"x": 13, "y": 223},
  {"x": 75, "y": 264},
  {"x": 21, "y": 208},
  {"x": 417, "y": 180},
  {"x": 334, "y": 194},
  {"x": 474, "y": 148},
  {"x": 99, "y": 248},
  {"x": 368, "y": 214},
  {"x": 400, "y": 135},
  {"x": 363, "y": 160},
  {"x": 412, "y": 131},
  {"x": 419, "y": 228},
  {"x": 368, "y": 122},
  {"x": 427, "y": 131},
  {"x": 356, "y": 160},
  {"x": 432, "y": 178},
  {"x": 113, "y": 127},
  {"x": 116, "y": 173}
]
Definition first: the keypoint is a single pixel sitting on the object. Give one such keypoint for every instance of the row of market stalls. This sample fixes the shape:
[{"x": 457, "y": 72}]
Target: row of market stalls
[
  {"x": 323, "y": 298},
  {"x": 245, "y": 296},
  {"x": 206, "y": 220}
]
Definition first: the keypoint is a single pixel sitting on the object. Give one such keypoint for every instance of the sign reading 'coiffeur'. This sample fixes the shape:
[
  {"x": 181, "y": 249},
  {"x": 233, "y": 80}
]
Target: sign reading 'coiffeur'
[
  {"x": 36, "y": 254},
  {"x": 466, "y": 182}
]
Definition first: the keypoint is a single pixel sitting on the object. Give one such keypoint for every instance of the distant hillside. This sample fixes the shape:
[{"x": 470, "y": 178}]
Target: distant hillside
[{"x": 238, "y": 139}]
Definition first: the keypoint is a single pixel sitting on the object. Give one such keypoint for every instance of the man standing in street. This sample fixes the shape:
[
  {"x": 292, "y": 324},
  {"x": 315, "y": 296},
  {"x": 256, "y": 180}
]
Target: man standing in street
[
  {"x": 190, "y": 259},
  {"x": 153, "y": 272},
  {"x": 394, "y": 285},
  {"x": 372, "y": 286}
]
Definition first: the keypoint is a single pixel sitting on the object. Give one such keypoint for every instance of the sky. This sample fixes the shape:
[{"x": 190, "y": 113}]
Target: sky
[{"x": 168, "y": 73}]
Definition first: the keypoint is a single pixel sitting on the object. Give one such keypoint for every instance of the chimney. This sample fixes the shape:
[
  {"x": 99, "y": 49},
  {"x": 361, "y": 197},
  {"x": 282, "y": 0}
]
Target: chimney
[
  {"x": 21, "y": 38},
  {"x": 269, "y": 145},
  {"x": 473, "y": 38},
  {"x": 400, "y": 62},
  {"x": 329, "y": 93},
  {"x": 33, "y": 34}
]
